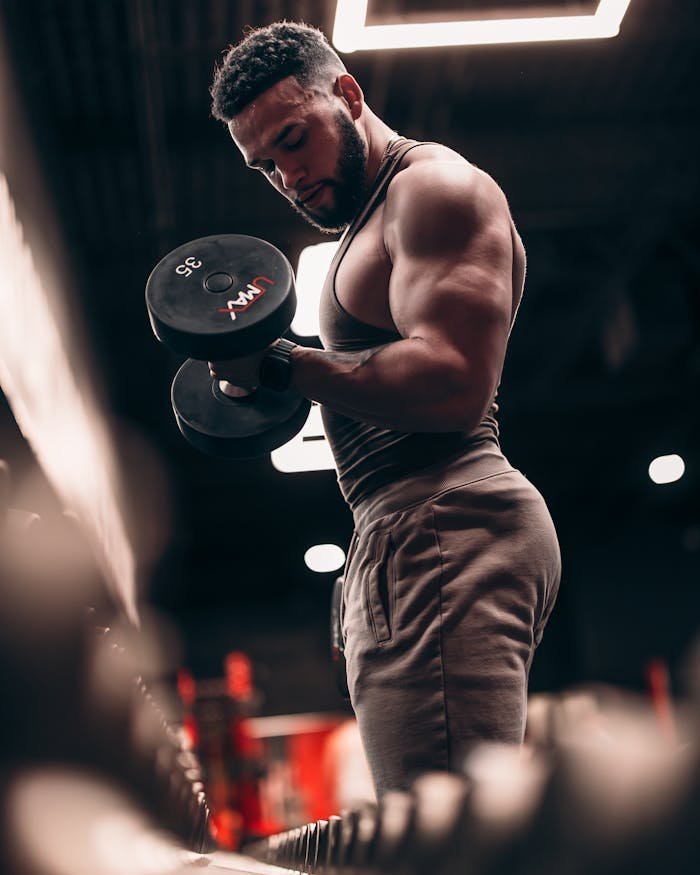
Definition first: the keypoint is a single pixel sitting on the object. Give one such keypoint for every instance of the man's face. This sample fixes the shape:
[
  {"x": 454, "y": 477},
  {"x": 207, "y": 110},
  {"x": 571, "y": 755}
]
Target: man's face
[{"x": 308, "y": 148}]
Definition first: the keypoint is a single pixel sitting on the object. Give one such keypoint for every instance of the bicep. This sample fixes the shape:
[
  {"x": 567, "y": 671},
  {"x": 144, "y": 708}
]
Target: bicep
[{"x": 451, "y": 282}]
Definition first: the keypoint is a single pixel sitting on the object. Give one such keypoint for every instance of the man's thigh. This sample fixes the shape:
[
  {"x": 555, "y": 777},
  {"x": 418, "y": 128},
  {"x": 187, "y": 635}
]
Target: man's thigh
[{"x": 443, "y": 606}]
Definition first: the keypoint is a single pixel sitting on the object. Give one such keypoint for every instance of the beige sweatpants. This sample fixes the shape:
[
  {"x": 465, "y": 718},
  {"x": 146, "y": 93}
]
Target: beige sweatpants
[{"x": 450, "y": 578}]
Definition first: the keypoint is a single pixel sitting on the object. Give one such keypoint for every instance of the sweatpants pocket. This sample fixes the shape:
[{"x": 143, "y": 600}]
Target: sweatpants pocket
[{"x": 380, "y": 591}]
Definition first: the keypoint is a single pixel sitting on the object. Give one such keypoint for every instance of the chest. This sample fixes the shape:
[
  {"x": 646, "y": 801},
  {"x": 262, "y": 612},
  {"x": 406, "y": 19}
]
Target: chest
[{"x": 362, "y": 278}]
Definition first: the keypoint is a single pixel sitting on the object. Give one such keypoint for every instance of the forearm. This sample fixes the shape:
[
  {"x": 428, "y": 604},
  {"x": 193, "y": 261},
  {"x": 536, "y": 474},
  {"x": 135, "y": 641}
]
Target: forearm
[{"x": 404, "y": 386}]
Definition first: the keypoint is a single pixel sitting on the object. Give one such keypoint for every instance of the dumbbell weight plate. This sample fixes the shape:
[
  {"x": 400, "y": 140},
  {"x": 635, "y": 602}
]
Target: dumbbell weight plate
[
  {"x": 221, "y": 297},
  {"x": 230, "y": 427}
]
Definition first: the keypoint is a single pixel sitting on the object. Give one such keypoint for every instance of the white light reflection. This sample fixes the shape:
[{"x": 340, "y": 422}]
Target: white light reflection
[
  {"x": 66, "y": 822},
  {"x": 56, "y": 414}
]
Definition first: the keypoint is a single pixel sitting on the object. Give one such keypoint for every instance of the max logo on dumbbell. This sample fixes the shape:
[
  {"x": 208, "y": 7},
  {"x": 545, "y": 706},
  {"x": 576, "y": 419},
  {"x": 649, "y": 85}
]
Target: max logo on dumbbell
[{"x": 255, "y": 290}]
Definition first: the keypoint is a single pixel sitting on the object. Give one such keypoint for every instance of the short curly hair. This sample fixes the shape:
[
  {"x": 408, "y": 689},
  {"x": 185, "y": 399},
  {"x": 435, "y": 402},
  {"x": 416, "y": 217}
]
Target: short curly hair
[{"x": 265, "y": 56}]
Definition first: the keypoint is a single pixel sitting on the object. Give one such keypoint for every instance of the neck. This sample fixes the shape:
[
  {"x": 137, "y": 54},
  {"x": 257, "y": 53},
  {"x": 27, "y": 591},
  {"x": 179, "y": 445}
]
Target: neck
[{"x": 378, "y": 136}]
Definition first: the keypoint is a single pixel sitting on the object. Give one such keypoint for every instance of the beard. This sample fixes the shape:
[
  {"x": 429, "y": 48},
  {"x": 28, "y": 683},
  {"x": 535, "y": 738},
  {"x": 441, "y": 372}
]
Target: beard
[{"x": 349, "y": 188}]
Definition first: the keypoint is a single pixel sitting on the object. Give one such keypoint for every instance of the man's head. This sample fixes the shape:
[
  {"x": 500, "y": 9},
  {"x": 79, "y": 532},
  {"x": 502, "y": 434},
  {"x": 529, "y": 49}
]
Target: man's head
[{"x": 291, "y": 108}]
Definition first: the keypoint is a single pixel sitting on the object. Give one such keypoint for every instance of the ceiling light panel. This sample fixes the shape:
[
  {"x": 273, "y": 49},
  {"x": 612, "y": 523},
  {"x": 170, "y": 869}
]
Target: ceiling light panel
[{"x": 352, "y": 33}]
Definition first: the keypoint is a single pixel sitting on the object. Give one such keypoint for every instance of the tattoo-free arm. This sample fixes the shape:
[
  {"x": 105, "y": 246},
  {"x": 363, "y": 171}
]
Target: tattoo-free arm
[{"x": 447, "y": 232}]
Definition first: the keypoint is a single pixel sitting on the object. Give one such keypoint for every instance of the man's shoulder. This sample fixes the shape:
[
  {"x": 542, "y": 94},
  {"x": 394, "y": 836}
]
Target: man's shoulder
[
  {"x": 442, "y": 190},
  {"x": 435, "y": 175}
]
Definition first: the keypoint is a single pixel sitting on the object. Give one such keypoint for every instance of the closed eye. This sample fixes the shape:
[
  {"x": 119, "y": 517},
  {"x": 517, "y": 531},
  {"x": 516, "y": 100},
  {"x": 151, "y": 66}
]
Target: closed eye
[
  {"x": 290, "y": 139},
  {"x": 295, "y": 142}
]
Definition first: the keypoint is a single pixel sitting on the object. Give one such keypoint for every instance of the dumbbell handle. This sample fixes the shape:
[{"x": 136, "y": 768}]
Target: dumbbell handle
[
  {"x": 274, "y": 371},
  {"x": 232, "y": 391}
]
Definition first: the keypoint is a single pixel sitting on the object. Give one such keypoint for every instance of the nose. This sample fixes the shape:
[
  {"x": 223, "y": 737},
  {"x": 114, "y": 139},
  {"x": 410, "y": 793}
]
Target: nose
[{"x": 291, "y": 175}]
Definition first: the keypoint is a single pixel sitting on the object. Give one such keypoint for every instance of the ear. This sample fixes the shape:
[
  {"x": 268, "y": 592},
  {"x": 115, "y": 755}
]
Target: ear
[{"x": 348, "y": 90}]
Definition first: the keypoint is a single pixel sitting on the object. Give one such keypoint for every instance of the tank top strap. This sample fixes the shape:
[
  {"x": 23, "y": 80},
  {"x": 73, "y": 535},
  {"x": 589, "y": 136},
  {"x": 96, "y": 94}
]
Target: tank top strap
[{"x": 387, "y": 170}]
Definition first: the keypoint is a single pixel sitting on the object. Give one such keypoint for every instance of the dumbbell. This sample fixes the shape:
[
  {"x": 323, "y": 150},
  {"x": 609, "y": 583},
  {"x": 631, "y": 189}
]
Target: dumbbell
[
  {"x": 334, "y": 845},
  {"x": 365, "y": 840},
  {"x": 438, "y": 842},
  {"x": 395, "y": 831},
  {"x": 225, "y": 297}
]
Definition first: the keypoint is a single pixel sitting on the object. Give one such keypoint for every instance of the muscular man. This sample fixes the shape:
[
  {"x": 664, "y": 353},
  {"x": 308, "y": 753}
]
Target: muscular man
[{"x": 454, "y": 563}]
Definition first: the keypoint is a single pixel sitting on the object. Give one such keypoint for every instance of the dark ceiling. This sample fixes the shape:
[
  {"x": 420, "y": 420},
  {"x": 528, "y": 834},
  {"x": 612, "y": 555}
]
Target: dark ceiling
[{"x": 596, "y": 145}]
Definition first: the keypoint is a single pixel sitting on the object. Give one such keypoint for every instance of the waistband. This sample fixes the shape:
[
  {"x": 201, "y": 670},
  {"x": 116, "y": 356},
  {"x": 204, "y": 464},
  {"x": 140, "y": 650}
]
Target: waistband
[{"x": 481, "y": 461}]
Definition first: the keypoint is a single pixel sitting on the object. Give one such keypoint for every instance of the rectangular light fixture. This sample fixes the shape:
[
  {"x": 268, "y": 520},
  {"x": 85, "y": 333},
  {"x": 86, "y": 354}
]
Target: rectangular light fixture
[
  {"x": 307, "y": 451},
  {"x": 351, "y": 33},
  {"x": 314, "y": 262}
]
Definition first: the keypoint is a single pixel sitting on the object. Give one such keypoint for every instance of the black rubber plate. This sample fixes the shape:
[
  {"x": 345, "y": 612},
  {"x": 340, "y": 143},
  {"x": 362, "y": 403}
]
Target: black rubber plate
[
  {"x": 221, "y": 297},
  {"x": 234, "y": 428}
]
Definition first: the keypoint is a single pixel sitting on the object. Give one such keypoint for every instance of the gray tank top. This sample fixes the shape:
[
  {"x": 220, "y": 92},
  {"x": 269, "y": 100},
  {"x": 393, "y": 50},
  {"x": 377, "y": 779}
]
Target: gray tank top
[{"x": 368, "y": 457}]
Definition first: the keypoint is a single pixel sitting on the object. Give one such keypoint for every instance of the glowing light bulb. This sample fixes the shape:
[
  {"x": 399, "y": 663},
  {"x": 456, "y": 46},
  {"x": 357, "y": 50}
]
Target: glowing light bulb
[
  {"x": 324, "y": 557},
  {"x": 666, "y": 469}
]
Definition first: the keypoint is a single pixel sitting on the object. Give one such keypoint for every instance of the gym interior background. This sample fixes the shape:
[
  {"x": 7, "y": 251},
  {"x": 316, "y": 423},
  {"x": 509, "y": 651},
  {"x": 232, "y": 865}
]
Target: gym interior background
[{"x": 110, "y": 159}]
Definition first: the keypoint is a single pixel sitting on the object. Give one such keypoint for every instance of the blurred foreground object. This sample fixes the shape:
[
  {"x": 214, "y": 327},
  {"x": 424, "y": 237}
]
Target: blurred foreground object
[
  {"x": 82, "y": 724},
  {"x": 601, "y": 792}
]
